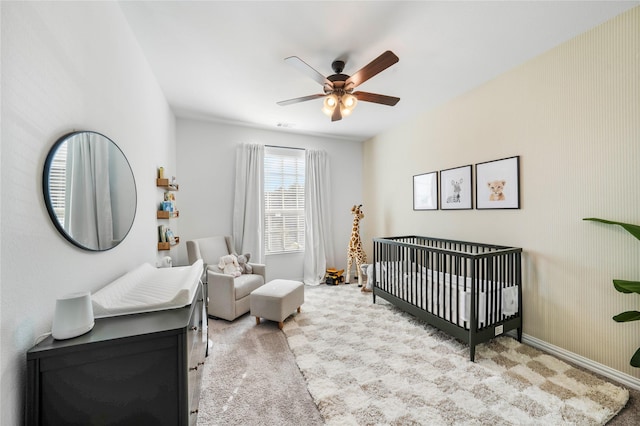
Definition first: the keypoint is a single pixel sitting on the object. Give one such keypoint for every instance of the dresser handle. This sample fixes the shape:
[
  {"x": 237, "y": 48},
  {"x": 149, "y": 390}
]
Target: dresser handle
[
  {"x": 193, "y": 328},
  {"x": 193, "y": 368},
  {"x": 193, "y": 411}
]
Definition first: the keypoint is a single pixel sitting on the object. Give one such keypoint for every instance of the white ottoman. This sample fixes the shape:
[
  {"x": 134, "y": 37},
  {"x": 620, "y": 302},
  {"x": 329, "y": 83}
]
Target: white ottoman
[{"x": 276, "y": 300}]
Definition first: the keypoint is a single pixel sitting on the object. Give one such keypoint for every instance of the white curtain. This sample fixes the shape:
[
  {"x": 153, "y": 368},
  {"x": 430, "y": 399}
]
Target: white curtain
[
  {"x": 318, "y": 250},
  {"x": 248, "y": 206},
  {"x": 88, "y": 217}
]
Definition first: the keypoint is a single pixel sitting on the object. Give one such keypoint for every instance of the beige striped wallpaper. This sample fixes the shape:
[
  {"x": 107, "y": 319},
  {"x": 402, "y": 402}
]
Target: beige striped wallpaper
[{"x": 573, "y": 117}]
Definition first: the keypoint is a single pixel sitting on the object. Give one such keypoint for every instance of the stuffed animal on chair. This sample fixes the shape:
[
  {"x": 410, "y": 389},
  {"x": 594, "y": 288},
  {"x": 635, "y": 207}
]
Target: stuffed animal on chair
[
  {"x": 229, "y": 265},
  {"x": 243, "y": 261}
]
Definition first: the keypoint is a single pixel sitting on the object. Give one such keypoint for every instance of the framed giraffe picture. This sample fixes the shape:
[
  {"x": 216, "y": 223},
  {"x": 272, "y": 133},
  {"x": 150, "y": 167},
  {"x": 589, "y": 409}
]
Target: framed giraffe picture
[
  {"x": 425, "y": 191},
  {"x": 455, "y": 188}
]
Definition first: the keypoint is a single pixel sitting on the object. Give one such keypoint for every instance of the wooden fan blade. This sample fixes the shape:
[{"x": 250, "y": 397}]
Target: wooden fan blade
[
  {"x": 305, "y": 68},
  {"x": 337, "y": 114},
  {"x": 374, "y": 97},
  {"x": 302, "y": 99},
  {"x": 374, "y": 67}
]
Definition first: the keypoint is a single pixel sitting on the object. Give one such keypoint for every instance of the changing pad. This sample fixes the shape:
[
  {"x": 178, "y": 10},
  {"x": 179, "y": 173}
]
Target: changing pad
[{"x": 146, "y": 289}]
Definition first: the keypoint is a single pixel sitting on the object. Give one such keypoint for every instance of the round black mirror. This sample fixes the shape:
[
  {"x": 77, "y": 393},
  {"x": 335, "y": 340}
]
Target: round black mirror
[{"x": 89, "y": 190}]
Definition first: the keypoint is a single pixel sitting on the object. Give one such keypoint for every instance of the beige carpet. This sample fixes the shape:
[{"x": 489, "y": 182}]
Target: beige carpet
[
  {"x": 373, "y": 364},
  {"x": 250, "y": 378}
]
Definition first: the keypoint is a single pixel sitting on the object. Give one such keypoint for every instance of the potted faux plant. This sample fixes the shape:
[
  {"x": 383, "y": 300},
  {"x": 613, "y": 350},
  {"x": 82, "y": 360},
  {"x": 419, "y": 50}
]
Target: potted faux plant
[{"x": 624, "y": 286}]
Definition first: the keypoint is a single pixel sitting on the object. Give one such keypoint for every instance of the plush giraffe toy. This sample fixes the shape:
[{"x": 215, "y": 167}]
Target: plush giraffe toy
[{"x": 355, "y": 246}]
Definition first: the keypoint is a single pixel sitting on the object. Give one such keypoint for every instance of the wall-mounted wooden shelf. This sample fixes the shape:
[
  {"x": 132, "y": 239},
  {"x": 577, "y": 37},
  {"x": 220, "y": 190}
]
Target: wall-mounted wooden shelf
[
  {"x": 168, "y": 215},
  {"x": 164, "y": 183},
  {"x": 167, "y": 246}
]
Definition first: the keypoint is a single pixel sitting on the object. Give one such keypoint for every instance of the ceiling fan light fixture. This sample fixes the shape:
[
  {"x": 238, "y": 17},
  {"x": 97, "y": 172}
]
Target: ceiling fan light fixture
[
  {"x": 349, "y": 101},
  {"x": 330, "y": 103},
  {"x": 347, "y": 104}
]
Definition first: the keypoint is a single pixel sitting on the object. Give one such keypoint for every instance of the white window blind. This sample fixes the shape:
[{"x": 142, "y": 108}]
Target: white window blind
[
  {"x": 57, "y": 182},
  {"x": 283, "y": 200}
]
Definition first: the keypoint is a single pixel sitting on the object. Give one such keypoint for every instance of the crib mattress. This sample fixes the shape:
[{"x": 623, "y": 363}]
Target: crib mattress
[
  {"x": 418, "y": 288},
  {"x": 146, "y": 289}
]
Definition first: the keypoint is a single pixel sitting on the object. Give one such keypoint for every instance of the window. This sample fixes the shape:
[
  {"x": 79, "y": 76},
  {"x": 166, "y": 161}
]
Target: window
[
  {"x": 283, "y": 200},
  {"x": 58, "y": 182}
]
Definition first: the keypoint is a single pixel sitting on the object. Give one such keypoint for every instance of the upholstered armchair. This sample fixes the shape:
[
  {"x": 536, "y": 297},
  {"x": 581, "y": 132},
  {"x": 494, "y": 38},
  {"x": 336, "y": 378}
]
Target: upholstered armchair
[{"x": 228, "y": 295}]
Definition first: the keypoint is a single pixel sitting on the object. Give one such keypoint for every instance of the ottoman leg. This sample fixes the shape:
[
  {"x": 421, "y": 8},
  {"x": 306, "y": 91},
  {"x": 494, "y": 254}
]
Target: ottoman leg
[
  {"x": 298, "y": 309},
  {"x": 257, "y": 320},
  {"x": 280, "y": 325}
]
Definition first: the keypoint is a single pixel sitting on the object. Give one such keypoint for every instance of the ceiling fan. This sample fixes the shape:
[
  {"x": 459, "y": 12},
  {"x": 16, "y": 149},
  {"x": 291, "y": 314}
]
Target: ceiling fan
[{"x": 339, "y": 97}]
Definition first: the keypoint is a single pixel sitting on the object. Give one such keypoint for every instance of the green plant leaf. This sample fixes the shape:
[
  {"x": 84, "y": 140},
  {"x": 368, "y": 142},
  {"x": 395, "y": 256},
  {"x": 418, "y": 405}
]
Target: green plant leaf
[
  {"x": 624, "y": 286},
  {"x": 632, "y": 229},
  {"x": 627, "y": 316},
  {"x": 635, "y": 359}
]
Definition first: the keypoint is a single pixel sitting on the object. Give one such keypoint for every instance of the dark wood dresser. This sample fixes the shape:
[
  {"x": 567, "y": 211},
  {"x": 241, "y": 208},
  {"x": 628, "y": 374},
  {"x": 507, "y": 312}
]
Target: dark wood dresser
[{"x": 139, "y": 369}]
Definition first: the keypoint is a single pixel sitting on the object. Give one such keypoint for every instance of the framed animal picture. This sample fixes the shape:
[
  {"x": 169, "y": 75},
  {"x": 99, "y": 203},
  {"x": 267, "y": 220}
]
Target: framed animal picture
[
  {"x": 425, "y": 191},
  {"x": 498, "y": 184},
  {"x": 455, "y": 189}
]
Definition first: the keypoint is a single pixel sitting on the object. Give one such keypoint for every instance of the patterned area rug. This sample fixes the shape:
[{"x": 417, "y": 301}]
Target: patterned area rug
[{"x": 373, "y": 364}]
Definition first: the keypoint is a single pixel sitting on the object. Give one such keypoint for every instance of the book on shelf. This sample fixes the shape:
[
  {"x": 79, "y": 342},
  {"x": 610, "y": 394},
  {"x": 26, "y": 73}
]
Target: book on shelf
[
  {"x": 162, "y": 233},
  {"x": 171, "y": 239}
]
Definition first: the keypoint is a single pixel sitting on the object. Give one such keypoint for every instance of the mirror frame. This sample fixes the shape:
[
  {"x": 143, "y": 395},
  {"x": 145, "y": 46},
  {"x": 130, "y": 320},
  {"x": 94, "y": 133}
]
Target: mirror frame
[{"x": 47, "y": 196}]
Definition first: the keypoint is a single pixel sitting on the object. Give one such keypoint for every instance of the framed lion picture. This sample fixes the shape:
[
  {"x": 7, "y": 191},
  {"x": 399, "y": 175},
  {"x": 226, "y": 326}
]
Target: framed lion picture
[{"x": 498, "y": 184}]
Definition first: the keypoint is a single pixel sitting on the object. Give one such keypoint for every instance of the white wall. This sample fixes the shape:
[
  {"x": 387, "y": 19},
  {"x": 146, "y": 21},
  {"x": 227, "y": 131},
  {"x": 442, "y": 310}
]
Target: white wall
[
  {"x": 67, "y": 66},
  {"x": 573, "y": 116},
  {"x": 206, "y": 166}
]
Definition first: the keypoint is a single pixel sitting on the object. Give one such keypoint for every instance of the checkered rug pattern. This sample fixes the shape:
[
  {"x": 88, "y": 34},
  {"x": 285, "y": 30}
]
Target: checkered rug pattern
[{"x": 370, "y": 364}]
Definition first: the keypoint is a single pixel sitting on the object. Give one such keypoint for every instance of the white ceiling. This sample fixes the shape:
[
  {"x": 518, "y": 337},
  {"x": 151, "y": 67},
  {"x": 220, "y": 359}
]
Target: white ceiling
[{"x": 224, "y": 60}]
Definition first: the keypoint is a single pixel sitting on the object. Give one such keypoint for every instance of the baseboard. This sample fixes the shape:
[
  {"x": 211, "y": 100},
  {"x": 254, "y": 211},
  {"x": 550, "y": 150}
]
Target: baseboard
[{"x": 615, "y": 375}]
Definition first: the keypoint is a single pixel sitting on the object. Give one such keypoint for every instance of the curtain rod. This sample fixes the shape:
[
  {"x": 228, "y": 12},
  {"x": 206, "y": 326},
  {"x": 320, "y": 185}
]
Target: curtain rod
[{"x": 286, "y": 147}]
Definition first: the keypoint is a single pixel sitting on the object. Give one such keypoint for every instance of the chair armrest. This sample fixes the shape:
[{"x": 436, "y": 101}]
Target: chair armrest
[
  {"x": 259, "y": 269},
  {"x": 218, "y": 278},
  {"x": 222, "y": 295}
]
